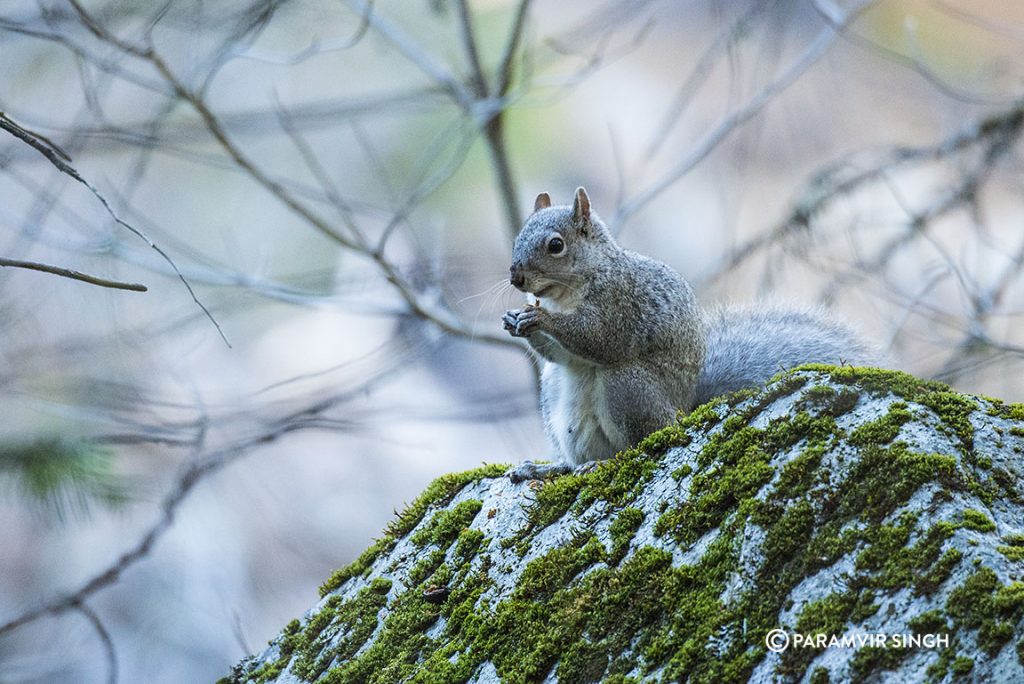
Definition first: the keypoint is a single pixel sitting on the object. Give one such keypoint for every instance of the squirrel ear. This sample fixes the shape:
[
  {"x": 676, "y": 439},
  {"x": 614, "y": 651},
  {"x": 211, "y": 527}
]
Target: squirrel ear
[
  {"x": 581, "y": 210},
  {"x": 543, "y": 201}
]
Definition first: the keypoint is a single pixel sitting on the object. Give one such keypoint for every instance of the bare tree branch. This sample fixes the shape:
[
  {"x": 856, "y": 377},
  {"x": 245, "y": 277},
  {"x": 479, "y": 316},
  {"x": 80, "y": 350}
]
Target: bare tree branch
[
  {"x": 997, "y": 133},
  {"x": 469, "y": 46},
  {"x": 57, "y": 158},
  {"x": 74, "y": 275},
  {"x": 417, "y": 303},
  {"x": 818, "y": 47}
]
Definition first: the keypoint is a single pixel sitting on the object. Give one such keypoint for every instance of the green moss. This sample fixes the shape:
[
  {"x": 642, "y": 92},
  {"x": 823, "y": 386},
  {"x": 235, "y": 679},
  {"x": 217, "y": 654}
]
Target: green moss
[
  {"x": 425, "y": 567},
  {"x": 799, "y": 475},
  {"x": 682, "y": 471},
  {"x": 929, "y": 581},
  {"x": 830, "y": 544},
  {"x": 820, "y": 676},
  {"x": 1010, "y": 598},
  {"x": 736, "y": 467},
  {"x": 552, "y": 498},
  {"x": 782, "y": 385},
  {"x": 786, "y": 431},
  {"x": 1011, "y": 411},
  {"x": 622, "y": 529},
  {"x": 290, "y": 638},
  {"x": 354, "y": 620},
  {"x": 953, "y": 409},
  {"x": 973, "y": 605},
  {"x": 544, "y": 621},
  {"x": 357, "y": 567},
  {"x": 884, "y": 478},
  {"x": 885, "y": 543},
  {"x": 1013, "y": 548},
  {"x": 884, "y": 430},
  {"x": 618, "y": 480},
  {"x": 872, "y": 659},
  {"x": 937, "y": 671},
  {"x": 929, "y": 622},
  {"x": 827, "y": 400},
  {"x": 783, "y": 545},
  {"x": 702, "y": 418},
  {"x": 977, "y": 521},
  {"x": 468, "y": 544},
  {"x": 395, "y": 650},
  {"x": 447, "y": 523},
  {"x": 961, "y": 666},
  {"x": 897, "y": 564},
  {"x": 828, "y": 616},
  {"x": 438, "y": 493},
  {"x": 1008, "y": 483}
]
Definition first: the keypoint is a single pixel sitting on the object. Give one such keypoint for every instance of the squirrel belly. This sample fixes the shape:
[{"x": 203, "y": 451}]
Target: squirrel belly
[{"x": 576, "y": 415}]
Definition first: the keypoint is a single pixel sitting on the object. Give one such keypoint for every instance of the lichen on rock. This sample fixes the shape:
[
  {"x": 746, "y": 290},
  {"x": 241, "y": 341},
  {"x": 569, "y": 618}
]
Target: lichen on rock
[{"x": 835, "y": 501}]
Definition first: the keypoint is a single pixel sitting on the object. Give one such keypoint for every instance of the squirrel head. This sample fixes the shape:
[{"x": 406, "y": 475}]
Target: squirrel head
[{"x": 559, "y": 247}]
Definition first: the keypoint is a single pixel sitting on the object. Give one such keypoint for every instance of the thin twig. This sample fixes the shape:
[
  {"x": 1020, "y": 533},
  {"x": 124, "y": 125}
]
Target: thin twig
[
  {"x": 469, "y": 45},
  {"x": 996, "y": 132},
  {"x": 815, "y": 51},
  {"x": 701, "y": 70},
  {"x": 54, "y": 156},
  {"x": 74, "y": 275},
  {"x": 105, "y": 639}
]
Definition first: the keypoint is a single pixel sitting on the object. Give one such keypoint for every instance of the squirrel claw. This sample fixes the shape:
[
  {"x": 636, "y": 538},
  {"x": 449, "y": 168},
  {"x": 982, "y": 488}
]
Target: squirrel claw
[{"x": 585, "y": 468}]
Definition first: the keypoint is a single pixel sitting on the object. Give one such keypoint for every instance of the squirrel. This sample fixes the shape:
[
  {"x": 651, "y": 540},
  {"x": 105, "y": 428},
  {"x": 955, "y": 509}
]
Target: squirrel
[{"x": 625, "y": 345}]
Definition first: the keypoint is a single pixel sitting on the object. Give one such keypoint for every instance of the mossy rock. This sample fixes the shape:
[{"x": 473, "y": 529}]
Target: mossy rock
[{"x": 839, "y": 502}]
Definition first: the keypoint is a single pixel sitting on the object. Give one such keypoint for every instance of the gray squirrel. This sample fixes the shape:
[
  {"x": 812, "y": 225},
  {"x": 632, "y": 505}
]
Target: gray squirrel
[{"x": 625, "y": 345}]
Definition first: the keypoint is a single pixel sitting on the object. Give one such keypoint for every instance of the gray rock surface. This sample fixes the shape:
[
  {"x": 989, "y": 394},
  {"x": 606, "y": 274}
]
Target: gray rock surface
[{"x": 835, "y": 504}]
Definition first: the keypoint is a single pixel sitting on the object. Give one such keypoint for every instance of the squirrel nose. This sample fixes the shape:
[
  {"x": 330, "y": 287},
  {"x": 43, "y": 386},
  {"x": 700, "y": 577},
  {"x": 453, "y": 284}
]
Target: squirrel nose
[{"x": 517, "y": 279}]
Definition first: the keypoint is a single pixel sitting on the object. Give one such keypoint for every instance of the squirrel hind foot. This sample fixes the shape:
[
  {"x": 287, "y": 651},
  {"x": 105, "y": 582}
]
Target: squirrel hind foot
[{"x": 530, "y": 470}]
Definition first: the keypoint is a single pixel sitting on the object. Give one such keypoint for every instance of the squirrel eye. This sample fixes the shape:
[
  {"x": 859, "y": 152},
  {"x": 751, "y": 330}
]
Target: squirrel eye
[{"x": 556, "y": 246}]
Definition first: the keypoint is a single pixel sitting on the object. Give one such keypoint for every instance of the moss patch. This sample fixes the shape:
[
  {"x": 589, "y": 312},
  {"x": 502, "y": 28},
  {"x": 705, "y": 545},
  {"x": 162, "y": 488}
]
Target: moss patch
[
  {"x": 447, "y": 523},
  {"x": 981, "y": 603},
  {"x": 977, "y": 521},
  {"x": 953, "y": 408},
  {"x": 622, "y": 529},
  {"x": 438, "y": 493}
]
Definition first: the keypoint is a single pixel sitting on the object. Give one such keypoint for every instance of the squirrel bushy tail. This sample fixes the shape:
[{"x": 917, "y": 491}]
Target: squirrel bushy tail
[{"x": 747, "y": 345}]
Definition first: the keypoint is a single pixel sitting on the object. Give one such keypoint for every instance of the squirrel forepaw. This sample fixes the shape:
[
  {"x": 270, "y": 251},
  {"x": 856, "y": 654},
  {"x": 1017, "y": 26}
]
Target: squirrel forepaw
[{"x": 522, "y": 322}]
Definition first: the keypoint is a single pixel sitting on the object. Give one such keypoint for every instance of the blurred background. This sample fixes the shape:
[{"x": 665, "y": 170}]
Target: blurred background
[{"x": 321, "y": 199}]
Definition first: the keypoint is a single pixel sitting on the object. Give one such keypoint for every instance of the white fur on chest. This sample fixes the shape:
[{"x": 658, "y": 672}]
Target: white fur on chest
[{"x": 576, "y": 412}]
